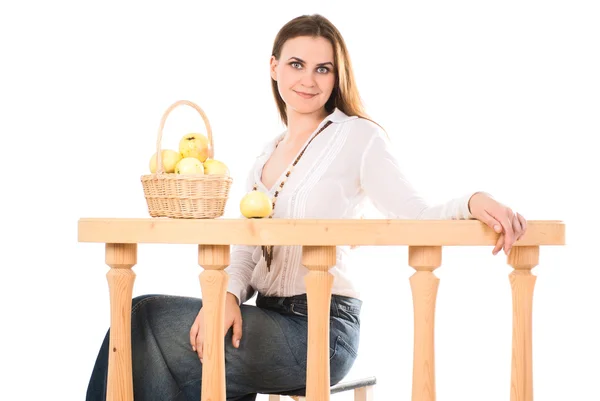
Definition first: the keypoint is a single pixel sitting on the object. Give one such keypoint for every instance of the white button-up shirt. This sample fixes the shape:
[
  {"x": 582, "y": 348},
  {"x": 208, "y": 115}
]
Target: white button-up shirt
[{"x": 345, "y": 166}]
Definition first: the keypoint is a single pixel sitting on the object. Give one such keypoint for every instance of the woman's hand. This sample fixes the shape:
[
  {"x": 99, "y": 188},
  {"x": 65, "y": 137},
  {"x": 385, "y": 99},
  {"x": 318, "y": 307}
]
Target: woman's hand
[
  {"x": 233, "y": 317},
  {"x": 511, "y": 226}
]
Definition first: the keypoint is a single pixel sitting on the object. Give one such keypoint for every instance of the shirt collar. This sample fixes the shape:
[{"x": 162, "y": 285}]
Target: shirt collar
[{"x": 338, "y": 116}]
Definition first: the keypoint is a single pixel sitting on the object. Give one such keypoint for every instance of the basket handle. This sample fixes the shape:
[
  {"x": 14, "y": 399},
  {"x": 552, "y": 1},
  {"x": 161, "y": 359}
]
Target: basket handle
[{"x": 159, "y": 165}]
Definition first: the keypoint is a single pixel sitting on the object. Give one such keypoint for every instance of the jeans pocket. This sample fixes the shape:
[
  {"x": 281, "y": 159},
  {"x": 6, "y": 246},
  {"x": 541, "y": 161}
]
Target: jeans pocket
[
  {"x": 341, "y": 343},
  {"x": 333, "y": 350},
  {"x": 348, "y": 347}
]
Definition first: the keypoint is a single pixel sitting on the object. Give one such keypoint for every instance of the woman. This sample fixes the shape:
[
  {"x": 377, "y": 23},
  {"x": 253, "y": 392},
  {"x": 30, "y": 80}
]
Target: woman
[{"x": 328, "y": 162}]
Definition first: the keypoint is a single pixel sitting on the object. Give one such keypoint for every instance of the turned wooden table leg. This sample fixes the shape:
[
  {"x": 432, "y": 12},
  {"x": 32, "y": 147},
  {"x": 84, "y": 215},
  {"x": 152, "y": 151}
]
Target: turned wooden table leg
[
  {"x": 318, "y": 259},
  {"x": 424, "y": 286},
  {"x": 522, "y": 282},
  {"x": 213, "y": 282},
  {"x": 121, "y": 258}
]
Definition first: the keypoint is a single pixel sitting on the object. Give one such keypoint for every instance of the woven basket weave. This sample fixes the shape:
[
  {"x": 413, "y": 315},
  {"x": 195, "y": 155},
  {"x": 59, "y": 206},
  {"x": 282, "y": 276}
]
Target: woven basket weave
[{"x": 193, "y": 196}]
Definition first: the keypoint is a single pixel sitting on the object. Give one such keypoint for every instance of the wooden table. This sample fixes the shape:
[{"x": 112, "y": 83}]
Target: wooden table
[{"x": 319, "y": 238}]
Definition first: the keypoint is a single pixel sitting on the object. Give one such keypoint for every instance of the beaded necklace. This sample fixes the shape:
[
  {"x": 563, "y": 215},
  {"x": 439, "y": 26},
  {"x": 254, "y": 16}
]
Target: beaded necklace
[{"x": 267, "y": 250}]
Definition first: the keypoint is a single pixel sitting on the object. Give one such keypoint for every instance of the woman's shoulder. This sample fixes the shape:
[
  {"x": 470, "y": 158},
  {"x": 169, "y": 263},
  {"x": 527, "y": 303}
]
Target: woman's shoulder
[
  {"x": 356, "y": 123},
  {"x": 365, "y": 125},
  {"x": 366, "y": 130}
]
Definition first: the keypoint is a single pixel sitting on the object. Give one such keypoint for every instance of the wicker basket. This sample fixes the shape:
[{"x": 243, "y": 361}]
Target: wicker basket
[{"x": 185, "y": 196}]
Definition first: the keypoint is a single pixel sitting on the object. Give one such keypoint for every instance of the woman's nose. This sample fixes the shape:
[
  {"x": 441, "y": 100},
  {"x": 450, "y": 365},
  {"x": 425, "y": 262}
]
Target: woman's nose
[{"x": 308, "y": 80}]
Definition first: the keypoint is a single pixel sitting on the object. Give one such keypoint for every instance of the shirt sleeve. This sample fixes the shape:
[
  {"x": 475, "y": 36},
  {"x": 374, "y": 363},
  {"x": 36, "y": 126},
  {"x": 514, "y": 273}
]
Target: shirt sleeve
[
  {"x": 240, "y": 272},
  {"x": 393, "y": 195},
  {"x": 241, "y": 263}
]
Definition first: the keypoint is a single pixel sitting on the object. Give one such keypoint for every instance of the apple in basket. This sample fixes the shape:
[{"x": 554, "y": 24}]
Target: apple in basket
[
  {"x": 194, "y": 145},
  {"x": 189, "y": 165},
  {"x": 170, "y": 158},
  {"x": 256, "y": 204},
  {"x": 215, "y": 167}
]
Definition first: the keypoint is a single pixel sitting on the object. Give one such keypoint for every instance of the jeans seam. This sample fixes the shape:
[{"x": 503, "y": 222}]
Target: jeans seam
[
  {"x": 298, "y": 313},
  {"x": 335, "y": 346},
  {"x": 334, "y": 306},
  {"x": 286, "y": 341},
  {"x": 187, "y": 383},
  {"x": 145, "y": 300},
  {"x": 176, "y": 395},
  {"x": 346, "y": 346}
]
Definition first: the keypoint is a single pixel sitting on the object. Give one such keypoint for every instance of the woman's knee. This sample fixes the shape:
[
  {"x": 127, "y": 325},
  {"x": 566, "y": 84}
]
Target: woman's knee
[
  {"x": 161, "y": 328},
  {"x": 140, "y": 300},
  {"x": 164, "y": 316}
]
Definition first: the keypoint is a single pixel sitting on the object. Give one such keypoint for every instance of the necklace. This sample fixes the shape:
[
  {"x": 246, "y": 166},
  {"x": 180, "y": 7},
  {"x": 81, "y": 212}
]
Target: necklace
[{"x": 267, "y": 250}]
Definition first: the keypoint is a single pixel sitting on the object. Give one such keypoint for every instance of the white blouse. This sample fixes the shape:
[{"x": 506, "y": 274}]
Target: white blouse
[{"x": 345, "y": 166}]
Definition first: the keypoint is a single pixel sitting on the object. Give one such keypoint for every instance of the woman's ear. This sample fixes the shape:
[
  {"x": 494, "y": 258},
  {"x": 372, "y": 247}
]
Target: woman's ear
[{"x": 273, "y": 68}]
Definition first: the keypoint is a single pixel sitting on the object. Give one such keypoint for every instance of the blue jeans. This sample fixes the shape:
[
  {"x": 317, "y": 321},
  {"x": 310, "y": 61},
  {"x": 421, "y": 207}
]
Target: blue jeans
[{"x": 271, "y": 358}]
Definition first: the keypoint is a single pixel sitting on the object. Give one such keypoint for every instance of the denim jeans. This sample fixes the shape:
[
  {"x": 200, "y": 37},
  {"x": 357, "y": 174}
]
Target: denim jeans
[{"x": 271, "y": 358}]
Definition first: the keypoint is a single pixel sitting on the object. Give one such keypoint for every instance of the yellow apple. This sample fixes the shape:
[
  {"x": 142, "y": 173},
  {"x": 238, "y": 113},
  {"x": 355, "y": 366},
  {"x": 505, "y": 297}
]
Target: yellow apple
[
  {"x": 189, "y": 165},
  {"x": 256, "y": 204},
  {"x": 194, "y": 145},
  {"x": 216, "y": 167},
  {"x": 170, "y": 158}
]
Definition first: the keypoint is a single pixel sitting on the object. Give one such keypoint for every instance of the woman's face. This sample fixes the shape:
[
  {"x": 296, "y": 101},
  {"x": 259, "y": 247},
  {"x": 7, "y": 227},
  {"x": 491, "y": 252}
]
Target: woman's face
[{"x": 305, "y": 73}]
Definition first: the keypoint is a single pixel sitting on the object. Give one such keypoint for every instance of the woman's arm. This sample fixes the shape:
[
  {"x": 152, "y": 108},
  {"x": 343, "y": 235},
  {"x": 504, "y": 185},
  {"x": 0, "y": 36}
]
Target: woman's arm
[
  {"x": 240, "y": 272},
  {"x": 393, "y": 195}
]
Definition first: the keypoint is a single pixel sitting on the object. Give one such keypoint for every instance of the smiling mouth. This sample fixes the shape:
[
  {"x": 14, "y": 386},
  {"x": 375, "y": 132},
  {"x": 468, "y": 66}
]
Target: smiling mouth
[{"x": 306, "y": 95}]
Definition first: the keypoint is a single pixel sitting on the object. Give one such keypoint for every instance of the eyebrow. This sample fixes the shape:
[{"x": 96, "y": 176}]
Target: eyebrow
[{"x": 302, "y": 61}]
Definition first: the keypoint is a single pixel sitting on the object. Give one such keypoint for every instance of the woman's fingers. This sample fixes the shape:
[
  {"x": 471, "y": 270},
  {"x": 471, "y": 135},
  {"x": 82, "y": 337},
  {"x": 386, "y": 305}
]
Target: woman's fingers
[
  {"x": 523, "y": 222},
  {"x": 519, "y": 226},
  {"x": 509, "y": 233},
  {"x": 516, "y": 223},
  {"x": 193, "y": 334},
  {"x": 196, "y": 335},
  {"x": 499, "y": 244},
  {"x": 514, "y": 228},
  {"x": 491, "y": 222},
  {"x": 237, "y": 331},
  {"x": 199, "y": 346}
]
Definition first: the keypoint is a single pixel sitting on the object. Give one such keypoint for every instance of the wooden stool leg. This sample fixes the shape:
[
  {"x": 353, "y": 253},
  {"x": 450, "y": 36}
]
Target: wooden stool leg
[
  {"x": 364, "y": 394},
  {"x": 121, "y": 258}
]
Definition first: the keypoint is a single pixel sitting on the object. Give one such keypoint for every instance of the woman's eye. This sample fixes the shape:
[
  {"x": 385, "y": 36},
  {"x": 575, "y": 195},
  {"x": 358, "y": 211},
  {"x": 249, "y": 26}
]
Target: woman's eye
[{"x": 320, "y": 70}]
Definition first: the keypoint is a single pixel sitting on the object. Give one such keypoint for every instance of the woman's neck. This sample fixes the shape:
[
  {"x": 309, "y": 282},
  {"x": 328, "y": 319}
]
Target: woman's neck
[{"x": 300, "y": 126}]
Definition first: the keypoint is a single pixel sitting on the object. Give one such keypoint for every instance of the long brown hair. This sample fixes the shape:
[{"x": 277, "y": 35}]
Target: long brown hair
[{"x": 345, "y": 94}]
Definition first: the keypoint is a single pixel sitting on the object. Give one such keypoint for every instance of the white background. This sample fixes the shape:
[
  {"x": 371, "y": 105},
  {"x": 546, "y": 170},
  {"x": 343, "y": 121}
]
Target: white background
[{"x": 495, "y": 96}]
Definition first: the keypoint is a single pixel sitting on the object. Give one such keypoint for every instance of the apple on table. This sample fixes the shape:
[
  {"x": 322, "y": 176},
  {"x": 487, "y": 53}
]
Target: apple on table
[{"x": 256, "y": 205}]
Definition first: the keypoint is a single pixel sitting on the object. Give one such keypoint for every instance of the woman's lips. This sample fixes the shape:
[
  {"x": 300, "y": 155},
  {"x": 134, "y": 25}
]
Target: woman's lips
[{"x": 306, "y": 95}]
